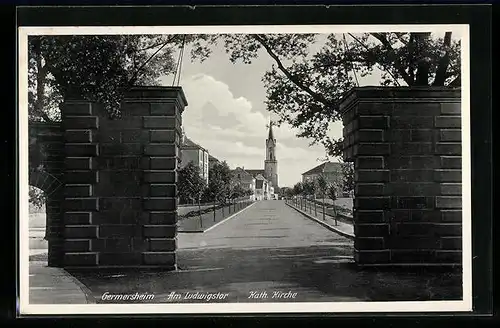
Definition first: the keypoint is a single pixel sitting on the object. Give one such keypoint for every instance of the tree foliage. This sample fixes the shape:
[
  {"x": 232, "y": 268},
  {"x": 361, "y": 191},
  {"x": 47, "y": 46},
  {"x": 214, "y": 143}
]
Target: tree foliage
[
  {"x": 298, "y": 188},
  {"x": 287, "y": 192},
  {"x": 322, "y": 184},
  {"x": 304, "y": 87},
  {"x": 237, "y": 191},
  {"x": 347, "y": 176},
  {"x": 332, "y": 192},
  {"x": 36, "y": 197},
  {"x": 98, "y": 67},
  {"x": 309, "y": 187},
  {"x": 190, "y": 183},
  {"x": 219, "y": 179}
]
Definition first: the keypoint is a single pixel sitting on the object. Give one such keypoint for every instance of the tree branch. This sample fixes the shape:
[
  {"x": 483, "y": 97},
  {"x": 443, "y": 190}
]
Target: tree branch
[
  {"x": 457, "y": 81},
  {"x": 410, "y": 58},
  {"x": 390, "y": 50},
  {"x": 316, "y": 96},
  {"x": 374, "y": 57},
  {"x": 400, "y": 39},
  {"x": 134, "y": 77}
]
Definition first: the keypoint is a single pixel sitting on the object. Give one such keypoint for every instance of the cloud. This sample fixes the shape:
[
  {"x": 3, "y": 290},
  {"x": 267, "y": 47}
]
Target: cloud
[{"x": 211, "y": 102}]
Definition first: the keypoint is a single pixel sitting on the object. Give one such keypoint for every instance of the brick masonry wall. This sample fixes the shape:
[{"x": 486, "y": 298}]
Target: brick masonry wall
[
  {"x": 406, "y": 148},
  {"x": 46, "y": 157},
  {"x": 120, "y": 192}
]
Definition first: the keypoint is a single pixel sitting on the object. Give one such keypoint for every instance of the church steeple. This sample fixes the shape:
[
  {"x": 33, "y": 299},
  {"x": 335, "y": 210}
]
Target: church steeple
[
  {"x": 271, "y": 162},
  {"x": 270, "y": 136}
]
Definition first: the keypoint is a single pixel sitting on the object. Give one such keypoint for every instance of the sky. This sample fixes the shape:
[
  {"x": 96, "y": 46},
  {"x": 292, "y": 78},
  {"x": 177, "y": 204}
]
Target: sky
[{"x": 226, "y": 114}]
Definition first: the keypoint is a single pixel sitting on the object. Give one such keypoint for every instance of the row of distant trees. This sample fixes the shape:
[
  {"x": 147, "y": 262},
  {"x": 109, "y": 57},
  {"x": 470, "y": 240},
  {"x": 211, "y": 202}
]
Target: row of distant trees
[
  {"x": 321, "y": 185},
  {"x": 192, "y": 188},
  {"x": 311, "y": 187}
]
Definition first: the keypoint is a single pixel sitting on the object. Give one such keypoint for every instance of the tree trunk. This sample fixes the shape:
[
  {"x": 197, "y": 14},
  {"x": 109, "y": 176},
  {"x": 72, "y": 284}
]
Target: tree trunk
[
  {"x": 323, "y": 208},
  {"x": 41, "y": 77},
  {"x": 214, "y": 210},
  {"x": 315, "y": 212},
  {"x": 423, "y": 67},
  {"x": 335, "y": 214},
  {"x": 443, "y": 62}
]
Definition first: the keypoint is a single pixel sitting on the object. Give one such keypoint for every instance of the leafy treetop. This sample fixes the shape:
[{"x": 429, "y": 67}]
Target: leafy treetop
[{"x": 98, "y": 67}]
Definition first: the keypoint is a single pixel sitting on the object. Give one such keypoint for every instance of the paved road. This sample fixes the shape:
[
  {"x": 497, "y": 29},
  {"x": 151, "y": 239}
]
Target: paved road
[
  {"x": 266, "y": 224},
  {"x": 270, "y": 247}
]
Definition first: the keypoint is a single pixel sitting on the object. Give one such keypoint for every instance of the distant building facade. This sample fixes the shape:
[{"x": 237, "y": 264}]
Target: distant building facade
[
  {"x": 263, "y": 188},
  {"x": 192, "y": 152},
  {"x": 246, "y": 180},
  {"x": 332, "y": 171}
]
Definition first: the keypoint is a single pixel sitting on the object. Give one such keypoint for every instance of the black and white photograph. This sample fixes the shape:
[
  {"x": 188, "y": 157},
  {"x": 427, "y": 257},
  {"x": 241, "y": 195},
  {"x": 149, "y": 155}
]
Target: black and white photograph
[{"x": 216, "y": 169}]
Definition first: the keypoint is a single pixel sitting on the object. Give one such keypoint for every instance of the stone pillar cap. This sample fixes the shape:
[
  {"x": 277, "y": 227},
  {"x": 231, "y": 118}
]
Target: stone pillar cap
[
  {"x": 160, "y": 92},
  {"x": 380, "y": 92}
]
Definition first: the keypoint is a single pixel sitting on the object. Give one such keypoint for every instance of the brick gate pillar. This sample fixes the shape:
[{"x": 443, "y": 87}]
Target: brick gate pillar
[
  {"x": 54, "y": 162},
  {"x": 49, "y": 137},
  {"x": 406, "y": 147},
  {"x": 120, "y": 180}
]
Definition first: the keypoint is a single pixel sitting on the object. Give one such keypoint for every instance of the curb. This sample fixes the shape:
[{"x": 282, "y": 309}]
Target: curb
[
  {"x": 85, "y": 290},
  {"x": 218, "y": 223},
  {"x": 326, "y": 225}
]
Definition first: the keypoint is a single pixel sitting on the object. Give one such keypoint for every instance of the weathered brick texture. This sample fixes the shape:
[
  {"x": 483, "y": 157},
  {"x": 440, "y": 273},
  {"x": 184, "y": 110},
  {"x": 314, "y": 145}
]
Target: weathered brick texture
[
  {"x": 120, "y": 194},
  {"x": 406, "y": 148},
  {"x": 46, "y": 165},
  {"x": 81, "y": 123}
]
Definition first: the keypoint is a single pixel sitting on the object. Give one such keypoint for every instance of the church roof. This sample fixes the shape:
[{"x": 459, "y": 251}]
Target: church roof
[
  {"x": 254, "y": 173},
  {"x": 240, "y": 170},
  {"x": 324, "y": 168}
]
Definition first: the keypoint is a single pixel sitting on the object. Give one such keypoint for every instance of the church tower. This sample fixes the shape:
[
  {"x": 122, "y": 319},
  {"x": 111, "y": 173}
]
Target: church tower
[{"x": 271, "y": 163}]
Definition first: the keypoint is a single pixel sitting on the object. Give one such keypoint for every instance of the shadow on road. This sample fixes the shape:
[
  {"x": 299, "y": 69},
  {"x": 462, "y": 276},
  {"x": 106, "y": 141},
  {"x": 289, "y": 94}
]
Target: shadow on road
[{"x": 312, "y": 272}]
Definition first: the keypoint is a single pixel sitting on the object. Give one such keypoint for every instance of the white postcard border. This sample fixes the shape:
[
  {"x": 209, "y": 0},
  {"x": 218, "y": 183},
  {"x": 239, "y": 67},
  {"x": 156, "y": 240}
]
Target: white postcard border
[{"x": 298, "y": 307}]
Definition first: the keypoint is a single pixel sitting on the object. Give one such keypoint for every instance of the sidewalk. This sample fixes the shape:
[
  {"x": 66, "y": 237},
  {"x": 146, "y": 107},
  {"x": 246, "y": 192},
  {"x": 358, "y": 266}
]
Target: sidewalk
[
  {"x": 53, "y": 285},
  {"x": 342, "y": 228}
]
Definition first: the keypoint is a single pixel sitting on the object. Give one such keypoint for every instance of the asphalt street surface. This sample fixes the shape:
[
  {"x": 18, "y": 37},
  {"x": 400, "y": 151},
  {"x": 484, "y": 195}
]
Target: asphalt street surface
[{"x": 269, "y": 252}]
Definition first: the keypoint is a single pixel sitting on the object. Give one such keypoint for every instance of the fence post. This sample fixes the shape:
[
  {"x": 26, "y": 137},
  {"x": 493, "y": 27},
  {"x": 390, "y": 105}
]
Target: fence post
[{"x": 323, "y": 208}]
